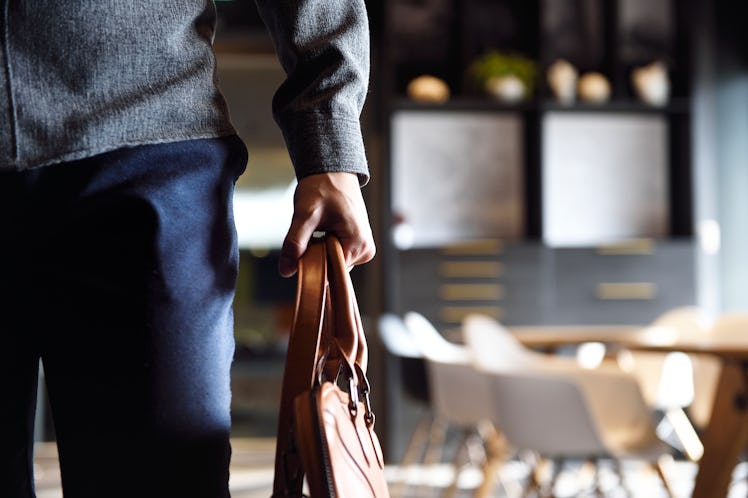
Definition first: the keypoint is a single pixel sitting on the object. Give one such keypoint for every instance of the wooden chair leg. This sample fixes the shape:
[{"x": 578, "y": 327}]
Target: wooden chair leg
[
  {"x": 531, "y": 485},
  {"x": 659, "y": 468},
  {"x": 458, "y": 464},
  {"x": 413, "y": 453},
  {"x": 534, "y": 482},
  {"x": 591, "y": 467},
  {"x": 618, "y": 469},
  {"x": 558, "y": 465},
  {"x": 496, "y": 450},
  {"x": 490, "y": 471},
  {"x": 435, "y": 445}
]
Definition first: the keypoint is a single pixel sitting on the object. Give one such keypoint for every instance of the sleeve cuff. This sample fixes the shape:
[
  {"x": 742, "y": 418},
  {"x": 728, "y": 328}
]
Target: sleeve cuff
[{"x": 326, "y": 144}]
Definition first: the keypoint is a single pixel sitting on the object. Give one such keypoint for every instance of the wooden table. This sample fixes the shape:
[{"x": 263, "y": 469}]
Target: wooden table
[
  {"x": 727, "y": 432},
  {"x": 550, "y": 338}
]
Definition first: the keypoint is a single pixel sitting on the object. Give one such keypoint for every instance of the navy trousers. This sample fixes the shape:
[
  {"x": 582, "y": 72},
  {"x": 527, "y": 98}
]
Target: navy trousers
[{"x": 118, "y": 273}]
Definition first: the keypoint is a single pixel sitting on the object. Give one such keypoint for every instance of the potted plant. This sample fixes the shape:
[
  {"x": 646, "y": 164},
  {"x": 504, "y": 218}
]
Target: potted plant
[{"x": 509, "y": 77}]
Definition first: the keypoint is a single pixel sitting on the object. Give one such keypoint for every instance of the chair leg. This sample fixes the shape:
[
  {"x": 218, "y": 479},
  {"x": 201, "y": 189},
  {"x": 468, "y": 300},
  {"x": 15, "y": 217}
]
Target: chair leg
[
  {"x": 598, "y": 488},
  {"x": 591, "y": 466},
  {"x": 531, "y": 485},
  {"x": 491, "y": 477},
  {"x": 435, "y": 445},
  {"x": 413, "y": 453},
  {"x": 533, "y": 481},
  {"x": 659, "y": 468},
  {"x": 418, "y": 440},
  {"x": 425, "y": 448},
  {"x": 558, "y": 465},
  {"x": 621, "y": 477},
  {"x": 458, "y": 463},
  {"x": 685, "y": 433},
  {"x": 496, "y": 450}
]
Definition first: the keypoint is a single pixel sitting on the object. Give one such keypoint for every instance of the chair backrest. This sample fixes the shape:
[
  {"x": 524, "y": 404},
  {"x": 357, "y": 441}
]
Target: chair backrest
[
  {"x": 557, "y": 407},
  {"x": 536, "y": 410},
  {"x": 731, "y": 325},
  {"x": 544, "y": 413},
  {"x": 686, "y": 320},
  {"x": 433, "y": 345},
  {"x": 616, "y": 404},
  {"x": 667, "y": 379},
  {"x": 411, "y": 364},
  {"x": 459, "y": 393},
  {"x": 396, "y": 337},
  {"x": 494, "y": 348}
]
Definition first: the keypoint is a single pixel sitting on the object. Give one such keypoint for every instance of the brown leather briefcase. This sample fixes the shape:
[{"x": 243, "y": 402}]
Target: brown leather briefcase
[{"x": 326, "y": 425}]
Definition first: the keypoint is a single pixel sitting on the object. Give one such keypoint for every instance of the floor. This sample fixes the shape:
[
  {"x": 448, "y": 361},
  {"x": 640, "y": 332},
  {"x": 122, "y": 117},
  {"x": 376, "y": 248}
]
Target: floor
[
  {"x": 251, "y": 471},
  {"x": 252, "y": 474}
]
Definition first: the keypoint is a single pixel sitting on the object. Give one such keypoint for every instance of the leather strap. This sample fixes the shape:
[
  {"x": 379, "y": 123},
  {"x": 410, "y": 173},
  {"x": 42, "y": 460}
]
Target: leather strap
[
  {"x": 347, "y": 319},
  {"x": 301, "y": 360},
  {"x": 317, "y": 324}
]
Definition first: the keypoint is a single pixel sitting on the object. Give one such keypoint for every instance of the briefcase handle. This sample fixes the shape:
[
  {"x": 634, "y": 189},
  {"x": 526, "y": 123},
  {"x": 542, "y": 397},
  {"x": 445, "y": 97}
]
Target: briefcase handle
[
  {"x": 322, "y": 274},
  {"x": 348, "y": 329}
]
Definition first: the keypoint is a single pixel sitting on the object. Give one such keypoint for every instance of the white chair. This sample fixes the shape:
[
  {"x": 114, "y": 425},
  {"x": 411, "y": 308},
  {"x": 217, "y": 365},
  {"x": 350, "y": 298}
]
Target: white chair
[
  {"x": 666, "y": 380},
  {"x": 397, "y": 338},
  {"x": 677, "y": 383},
  {"x": 459, "y": 393},
  {"x": 410, "y": 373},
  {"x": 559, "y": 410}
]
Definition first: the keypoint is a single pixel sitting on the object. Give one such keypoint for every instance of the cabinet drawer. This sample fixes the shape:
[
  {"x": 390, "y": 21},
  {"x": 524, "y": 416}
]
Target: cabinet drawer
[
  {"x": 445, "y": 285},
  {"x": 533, "y": 284},
  {"x": 591, "y": 285}
]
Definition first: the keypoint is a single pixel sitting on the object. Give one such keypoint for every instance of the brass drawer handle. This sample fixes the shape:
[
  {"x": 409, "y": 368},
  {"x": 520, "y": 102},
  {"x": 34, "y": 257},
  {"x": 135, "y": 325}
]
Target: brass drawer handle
[
  {"x": 639, "y": 291},
  {"x": 471, "y": 292},
  {"x": 632, "y": 247},
  {"x": 456, "y": 314},
  {"x": 482, "y": 247},
  {"x": 468, "y": 269}
]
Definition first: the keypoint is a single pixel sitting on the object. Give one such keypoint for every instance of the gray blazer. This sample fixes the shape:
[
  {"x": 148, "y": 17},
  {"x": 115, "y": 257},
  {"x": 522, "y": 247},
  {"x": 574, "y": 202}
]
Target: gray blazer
[{"x": 81, "y": 77}]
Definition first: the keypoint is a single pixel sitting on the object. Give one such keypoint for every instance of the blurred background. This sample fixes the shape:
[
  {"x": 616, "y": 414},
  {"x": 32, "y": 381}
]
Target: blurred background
[
  {"x": 543, "y": 162},
  {"x": 551, "y": 164}
]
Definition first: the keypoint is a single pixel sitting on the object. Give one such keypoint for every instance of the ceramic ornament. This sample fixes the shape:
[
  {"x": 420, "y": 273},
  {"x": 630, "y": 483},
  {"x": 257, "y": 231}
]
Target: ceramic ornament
[
  {"x": 562, "y": 78},
  {"x": 427, "y": 88},
  {"x": 593, "y": 87},
  {"x": 651, "y": 83}
]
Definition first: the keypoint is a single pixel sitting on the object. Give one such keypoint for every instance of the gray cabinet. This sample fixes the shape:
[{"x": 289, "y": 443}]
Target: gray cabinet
[
  {"x": 599, "y": 285},
  {"x": 529, "y": 283}
]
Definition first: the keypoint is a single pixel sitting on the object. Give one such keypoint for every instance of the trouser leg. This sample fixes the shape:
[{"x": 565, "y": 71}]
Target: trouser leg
[
  {"x": 138, "y": 337},
  {"x": 19, "y": 353},
  {"x": 18, "y": 380}
]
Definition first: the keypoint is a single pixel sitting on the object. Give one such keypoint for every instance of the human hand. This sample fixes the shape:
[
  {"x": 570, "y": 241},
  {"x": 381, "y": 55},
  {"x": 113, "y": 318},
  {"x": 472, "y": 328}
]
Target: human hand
[{"x": 331, "y": 202}]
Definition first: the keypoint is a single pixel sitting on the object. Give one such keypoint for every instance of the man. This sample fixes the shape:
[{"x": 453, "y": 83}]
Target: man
[{"x": 117, "y": 246}]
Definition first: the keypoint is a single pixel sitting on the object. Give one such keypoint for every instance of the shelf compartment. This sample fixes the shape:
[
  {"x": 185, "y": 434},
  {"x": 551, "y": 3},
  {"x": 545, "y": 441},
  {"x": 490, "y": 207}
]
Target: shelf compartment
[
  {"x": 605, "y": 178},
  {"x": 457, "y": 176}
]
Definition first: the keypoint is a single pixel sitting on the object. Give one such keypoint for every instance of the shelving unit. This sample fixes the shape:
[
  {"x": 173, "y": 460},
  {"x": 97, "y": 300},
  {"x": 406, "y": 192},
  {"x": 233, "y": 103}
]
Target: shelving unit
[{"x": 544, "y": 271}]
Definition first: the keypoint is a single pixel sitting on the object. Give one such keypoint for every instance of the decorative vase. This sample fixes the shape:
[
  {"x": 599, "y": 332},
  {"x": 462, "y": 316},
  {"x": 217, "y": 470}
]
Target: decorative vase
[
  {"x": 428, "y": 88},
  {"x": 562, "y": 78},
  {"x": 651, "y": 83},
  {"x": 594, "y": 88}
]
